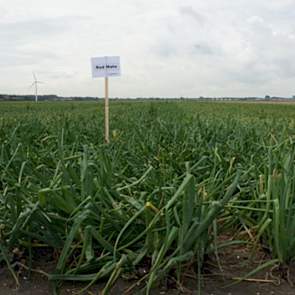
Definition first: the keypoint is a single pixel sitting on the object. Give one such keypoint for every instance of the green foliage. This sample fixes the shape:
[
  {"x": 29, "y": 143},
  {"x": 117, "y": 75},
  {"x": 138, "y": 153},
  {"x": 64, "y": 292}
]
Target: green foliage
[{"x": 151, "y": 197}]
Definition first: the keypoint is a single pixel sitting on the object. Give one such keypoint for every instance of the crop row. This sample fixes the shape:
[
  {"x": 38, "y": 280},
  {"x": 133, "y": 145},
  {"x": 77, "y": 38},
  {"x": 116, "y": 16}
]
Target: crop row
[{"x": 173, "y": 179}]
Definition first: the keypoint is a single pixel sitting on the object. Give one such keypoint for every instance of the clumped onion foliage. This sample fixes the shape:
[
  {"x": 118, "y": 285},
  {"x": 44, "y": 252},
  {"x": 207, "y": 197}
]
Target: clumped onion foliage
[{"x": 152, "y": 198}]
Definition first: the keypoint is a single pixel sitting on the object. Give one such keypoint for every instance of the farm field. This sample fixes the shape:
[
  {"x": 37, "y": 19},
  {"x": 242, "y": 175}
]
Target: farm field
[{"x": 180, "y": 184}]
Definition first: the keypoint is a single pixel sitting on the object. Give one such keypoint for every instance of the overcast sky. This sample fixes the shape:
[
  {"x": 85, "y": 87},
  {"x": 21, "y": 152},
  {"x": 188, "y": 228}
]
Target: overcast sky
[{"x": 168, "y": 48}]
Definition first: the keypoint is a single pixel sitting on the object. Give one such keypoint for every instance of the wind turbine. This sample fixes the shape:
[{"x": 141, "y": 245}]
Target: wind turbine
[{"x": 35, "y": 83}]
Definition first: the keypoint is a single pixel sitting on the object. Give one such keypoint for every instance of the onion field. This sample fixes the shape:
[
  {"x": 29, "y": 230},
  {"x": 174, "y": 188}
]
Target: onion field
[{"x": 152, "y": 204}]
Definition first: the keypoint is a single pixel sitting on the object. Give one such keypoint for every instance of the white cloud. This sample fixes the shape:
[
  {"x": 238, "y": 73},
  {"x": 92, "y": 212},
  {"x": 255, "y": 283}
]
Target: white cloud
[{"x": 168, "y": 47}]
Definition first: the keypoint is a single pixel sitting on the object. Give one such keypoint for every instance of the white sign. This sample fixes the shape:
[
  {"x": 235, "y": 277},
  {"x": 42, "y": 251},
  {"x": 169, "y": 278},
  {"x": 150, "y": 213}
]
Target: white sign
[{"x": 107, "y": 66}]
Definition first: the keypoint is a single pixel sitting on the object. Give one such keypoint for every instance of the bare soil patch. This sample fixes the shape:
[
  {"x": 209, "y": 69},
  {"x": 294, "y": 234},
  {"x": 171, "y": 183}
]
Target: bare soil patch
[{"x": 235, "y": 262}]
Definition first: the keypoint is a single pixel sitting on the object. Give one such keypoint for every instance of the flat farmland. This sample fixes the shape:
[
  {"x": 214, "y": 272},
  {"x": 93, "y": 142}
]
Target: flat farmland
[{"x": 180, "y": 183}]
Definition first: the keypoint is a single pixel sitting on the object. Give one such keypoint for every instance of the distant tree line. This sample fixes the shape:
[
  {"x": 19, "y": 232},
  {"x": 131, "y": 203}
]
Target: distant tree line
[
  {"x": 50, "y": 97},
  {"x": 53, "y": 97}
]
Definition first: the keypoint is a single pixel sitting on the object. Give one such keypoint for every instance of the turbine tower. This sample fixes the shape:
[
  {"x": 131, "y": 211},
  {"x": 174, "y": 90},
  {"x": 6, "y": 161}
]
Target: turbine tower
[{"x": 35, "y": 84}]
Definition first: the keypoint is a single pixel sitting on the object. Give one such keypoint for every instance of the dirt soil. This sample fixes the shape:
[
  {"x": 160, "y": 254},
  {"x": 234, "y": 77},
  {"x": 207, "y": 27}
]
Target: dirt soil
[{"x": 235, "y": 262}]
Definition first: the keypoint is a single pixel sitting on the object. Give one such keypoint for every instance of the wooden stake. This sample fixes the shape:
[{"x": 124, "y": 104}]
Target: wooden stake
[
  {"x": 36, "y": 92},
  {"x": 106, "y": 111}
]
